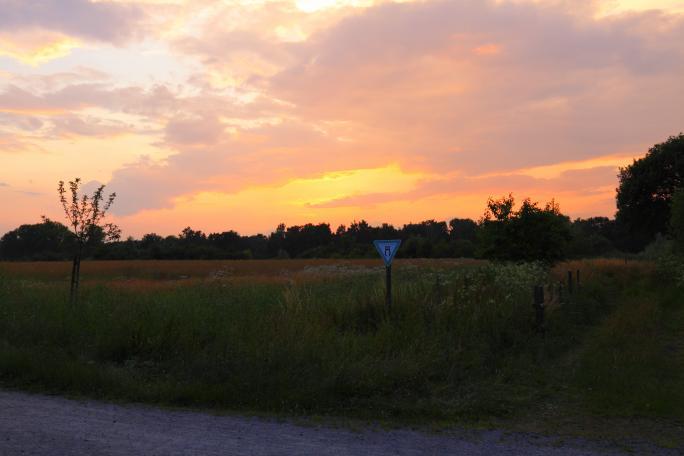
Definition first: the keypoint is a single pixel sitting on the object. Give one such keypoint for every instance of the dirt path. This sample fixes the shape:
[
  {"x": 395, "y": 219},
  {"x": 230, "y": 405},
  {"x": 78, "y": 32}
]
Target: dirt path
[{"x": 46, "y": 425}]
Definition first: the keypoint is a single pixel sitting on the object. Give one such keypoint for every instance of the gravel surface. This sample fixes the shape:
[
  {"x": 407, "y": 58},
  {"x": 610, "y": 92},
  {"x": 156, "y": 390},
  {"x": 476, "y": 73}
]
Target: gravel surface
[{"x": 46, "y": 425}]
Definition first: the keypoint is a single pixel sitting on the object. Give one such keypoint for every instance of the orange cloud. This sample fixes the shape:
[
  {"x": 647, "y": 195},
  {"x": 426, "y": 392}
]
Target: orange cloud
[
  {"x": 487, "y": 49},
  {"x": 614, "y": 161}
]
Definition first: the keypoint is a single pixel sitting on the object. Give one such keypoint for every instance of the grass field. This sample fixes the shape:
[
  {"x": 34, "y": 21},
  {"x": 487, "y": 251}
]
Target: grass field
[{"x": 314, "y": 337}]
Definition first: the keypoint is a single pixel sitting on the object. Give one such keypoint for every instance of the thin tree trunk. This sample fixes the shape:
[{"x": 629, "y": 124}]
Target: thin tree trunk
[
  {"x": 76, "y": 275},
  {"x": 72, "y": 289}
]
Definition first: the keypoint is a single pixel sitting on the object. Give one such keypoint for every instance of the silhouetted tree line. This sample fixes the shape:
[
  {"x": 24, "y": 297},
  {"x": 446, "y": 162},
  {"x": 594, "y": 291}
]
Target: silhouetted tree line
[
  {"x": 650, "y": 203},
  {"x": 532, "y": 232}
]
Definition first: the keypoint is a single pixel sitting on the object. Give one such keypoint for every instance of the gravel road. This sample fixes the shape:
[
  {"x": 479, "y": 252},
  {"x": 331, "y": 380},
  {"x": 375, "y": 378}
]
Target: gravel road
[{"x": 46, "y": 425}]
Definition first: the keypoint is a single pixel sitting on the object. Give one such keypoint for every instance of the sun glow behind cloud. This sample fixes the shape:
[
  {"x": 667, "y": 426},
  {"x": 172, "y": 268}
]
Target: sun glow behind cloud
[
  {"x": 312, "y": 6},
  {"x": 609, "y": 7},
  {"x": 298, "y": 196},
  {"x": 292, "y": 202},
  {"x": 36, "y": 48}
]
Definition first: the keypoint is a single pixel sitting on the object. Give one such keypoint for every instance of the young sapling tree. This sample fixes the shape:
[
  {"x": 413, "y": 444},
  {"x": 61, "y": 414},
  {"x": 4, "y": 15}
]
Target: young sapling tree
[{"x": 85, "y": 215}]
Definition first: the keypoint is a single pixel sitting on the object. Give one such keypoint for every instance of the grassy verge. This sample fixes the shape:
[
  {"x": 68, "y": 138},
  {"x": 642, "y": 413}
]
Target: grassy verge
[
  {"x": 459, "y": 344},
  {"x": 621, "y": 377},
  {"x": 633, "y": 364}
]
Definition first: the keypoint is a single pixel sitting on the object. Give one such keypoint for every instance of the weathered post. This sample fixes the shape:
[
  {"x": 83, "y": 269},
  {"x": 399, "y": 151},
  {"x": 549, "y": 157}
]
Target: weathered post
[
  {"x": 578, "y": 279},
  {"x": 569, "y": 282}
]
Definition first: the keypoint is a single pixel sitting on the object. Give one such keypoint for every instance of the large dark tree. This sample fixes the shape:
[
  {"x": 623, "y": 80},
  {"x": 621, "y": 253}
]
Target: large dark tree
[
  {"x": 645, "y": 192},
  {"x": 462, "y": 229},
  {"x": 41, "y": 241},
  {"x": 307, "y": 240},
  {"x": 531, "y": 233},
  {"x": 677, "y": 220},
  {"x": 592, "y": 237}
]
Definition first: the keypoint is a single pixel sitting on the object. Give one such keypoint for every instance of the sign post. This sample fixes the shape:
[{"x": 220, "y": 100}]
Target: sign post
[{"x": 387, "y": 249}]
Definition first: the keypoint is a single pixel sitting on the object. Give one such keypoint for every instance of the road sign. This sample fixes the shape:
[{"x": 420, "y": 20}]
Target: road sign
[{"x": 387, "y": 249}]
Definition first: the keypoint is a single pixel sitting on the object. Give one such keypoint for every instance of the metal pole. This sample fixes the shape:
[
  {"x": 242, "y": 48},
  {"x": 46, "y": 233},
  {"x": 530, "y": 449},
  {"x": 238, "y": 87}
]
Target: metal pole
[{"x": 388, "y": 293}]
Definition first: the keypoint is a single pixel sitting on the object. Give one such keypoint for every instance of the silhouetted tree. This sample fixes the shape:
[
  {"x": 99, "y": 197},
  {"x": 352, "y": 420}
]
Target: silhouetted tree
[
  {"x": 308, "y": 240},
  {"x": 595, "y": 236},
  {"x": 677, "y": 221},
  {"x": 152, "y": 245},
  {"x": 41, "y": 241},
  {"x": 429, "y": 229},
  {"x": 645, "y": 192},
  {"x": 462, "y": 238},
  {"x": 529, "y": 234},
  {"x": 85, "y": 214},
  {"x": 462, "y": 229},
  {"x": 276, "y": 242}
]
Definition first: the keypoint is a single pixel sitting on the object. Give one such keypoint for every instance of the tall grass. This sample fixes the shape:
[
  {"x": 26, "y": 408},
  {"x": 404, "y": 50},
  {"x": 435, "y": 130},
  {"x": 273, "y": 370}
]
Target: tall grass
[
  {"x": 459, "y": 340},
  {"x": 321, "y": 345},
  {"x": 633, "y": 364},
  {"x": 161, "y": 270}
]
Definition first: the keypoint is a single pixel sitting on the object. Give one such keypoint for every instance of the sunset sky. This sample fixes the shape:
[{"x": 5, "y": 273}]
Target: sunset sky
[{"x": 241, "y": 114}]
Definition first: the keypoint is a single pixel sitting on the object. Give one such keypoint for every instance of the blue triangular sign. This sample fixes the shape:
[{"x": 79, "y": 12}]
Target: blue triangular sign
[{"x": 387, "y": 249}]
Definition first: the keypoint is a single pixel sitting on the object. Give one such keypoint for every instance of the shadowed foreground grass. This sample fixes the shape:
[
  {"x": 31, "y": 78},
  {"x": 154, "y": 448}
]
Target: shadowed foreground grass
[{"x": 459, "y": 343}]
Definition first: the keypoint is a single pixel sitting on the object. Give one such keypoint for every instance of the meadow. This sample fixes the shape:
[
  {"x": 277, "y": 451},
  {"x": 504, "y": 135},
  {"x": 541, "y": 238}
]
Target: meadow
[{"x": 313, "y": 337}]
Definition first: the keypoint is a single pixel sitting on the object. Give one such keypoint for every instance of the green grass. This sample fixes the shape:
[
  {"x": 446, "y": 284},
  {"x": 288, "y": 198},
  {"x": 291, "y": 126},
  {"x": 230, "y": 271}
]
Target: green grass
[
  {"x": 459, "y": 344},
  {"x": 633, "y": 364}
]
